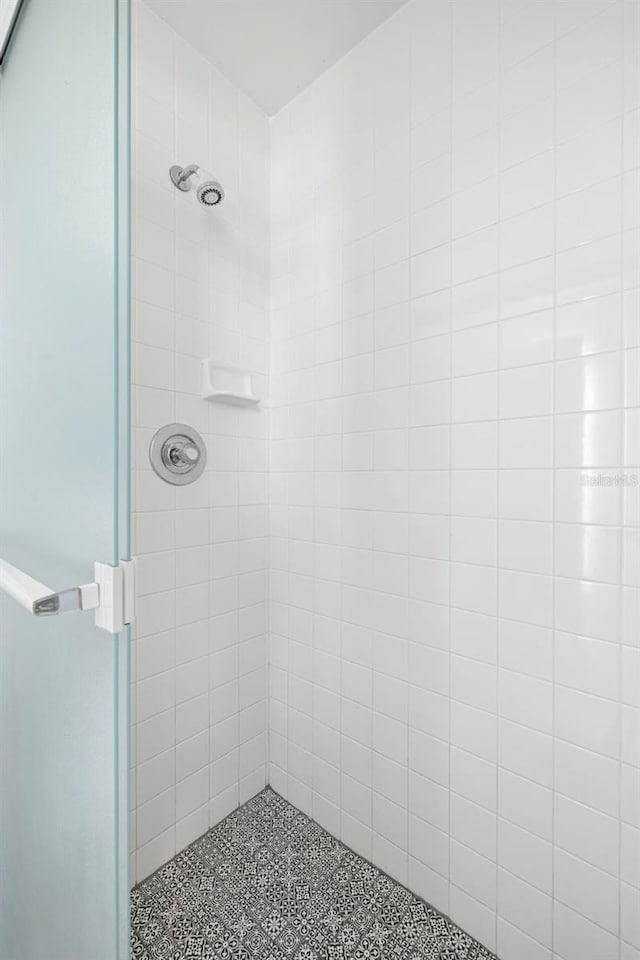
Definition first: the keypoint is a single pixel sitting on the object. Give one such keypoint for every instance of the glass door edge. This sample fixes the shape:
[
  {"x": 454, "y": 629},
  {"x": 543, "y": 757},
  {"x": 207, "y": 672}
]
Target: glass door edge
[{"x": 122, "y": 138}]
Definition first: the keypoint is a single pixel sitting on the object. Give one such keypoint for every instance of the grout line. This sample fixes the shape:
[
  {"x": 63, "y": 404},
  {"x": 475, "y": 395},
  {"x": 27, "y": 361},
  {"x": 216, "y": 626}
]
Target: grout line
[
  {"x": 269, "y": 489},
  {"x": 498, "y": 526},
  {"x": 621, "y": 497},
  {"x": 554, "y": 479},
  {"x": 175, "y": 513},
  {"x": 407, "y": 553},
  {"x": 450, "y": 454}
]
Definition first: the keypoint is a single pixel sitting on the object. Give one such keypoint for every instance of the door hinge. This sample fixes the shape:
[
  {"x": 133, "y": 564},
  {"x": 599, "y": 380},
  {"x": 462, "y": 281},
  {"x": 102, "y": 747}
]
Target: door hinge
[{"x": 116, "y": 586}]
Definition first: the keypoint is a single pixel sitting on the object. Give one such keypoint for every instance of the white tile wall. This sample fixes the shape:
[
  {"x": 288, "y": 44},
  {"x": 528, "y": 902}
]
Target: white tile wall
[
  {"x": 201, "y": 286},
  {"x": 455, "y": 570}
]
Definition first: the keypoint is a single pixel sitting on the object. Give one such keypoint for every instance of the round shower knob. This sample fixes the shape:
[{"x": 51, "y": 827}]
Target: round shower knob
[
  {"x": 178, "y": 454},
  {"x": 190, "y": 453},
  {"x": 181, "y": 454}
]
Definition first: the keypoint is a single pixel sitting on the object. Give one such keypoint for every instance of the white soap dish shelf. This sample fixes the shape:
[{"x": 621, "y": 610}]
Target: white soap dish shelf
[{"x": 225, "y": 383}]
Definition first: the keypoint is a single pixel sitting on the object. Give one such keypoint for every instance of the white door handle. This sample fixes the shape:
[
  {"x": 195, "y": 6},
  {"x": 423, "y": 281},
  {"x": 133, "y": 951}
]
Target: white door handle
[{"x": 110, "y": 595}]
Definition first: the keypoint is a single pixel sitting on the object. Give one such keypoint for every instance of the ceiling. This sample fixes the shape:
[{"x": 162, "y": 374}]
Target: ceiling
[{"x": 272, "y": 49}]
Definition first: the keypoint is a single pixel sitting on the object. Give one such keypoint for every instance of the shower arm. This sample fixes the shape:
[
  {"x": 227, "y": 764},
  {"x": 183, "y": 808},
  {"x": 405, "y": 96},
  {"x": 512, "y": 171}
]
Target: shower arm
[{"x": 188, "y": 172}]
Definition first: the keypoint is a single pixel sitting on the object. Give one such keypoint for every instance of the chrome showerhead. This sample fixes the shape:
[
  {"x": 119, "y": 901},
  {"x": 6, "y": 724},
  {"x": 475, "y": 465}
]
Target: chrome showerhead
[{"x": 208, "y": 190}]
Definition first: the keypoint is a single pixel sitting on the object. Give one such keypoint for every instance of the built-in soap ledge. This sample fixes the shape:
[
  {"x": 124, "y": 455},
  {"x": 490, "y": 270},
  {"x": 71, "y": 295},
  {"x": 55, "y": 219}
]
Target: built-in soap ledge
[{"x": 225, "y": 383}]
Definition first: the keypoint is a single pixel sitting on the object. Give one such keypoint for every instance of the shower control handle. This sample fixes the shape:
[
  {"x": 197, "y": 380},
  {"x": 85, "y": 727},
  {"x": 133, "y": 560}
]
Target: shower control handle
[{"x": 182, "y": 454}]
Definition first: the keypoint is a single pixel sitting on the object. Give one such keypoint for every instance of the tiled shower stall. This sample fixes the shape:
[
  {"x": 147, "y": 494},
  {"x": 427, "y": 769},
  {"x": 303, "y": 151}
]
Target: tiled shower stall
[{"x": 406, "y": 593}]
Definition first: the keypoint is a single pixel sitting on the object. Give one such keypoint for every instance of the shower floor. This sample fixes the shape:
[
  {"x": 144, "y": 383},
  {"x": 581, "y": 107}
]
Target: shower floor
[{"x": 268, "y": 883}]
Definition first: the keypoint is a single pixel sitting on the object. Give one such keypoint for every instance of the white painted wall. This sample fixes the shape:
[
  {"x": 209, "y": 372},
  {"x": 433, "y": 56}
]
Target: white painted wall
[
  {"x": 201, "y": 283},
  {"x": 454, "y": 603}
]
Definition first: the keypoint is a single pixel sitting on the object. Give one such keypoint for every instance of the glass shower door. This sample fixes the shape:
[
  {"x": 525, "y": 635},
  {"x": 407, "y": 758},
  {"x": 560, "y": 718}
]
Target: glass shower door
[{"x": 64, "y": 215}]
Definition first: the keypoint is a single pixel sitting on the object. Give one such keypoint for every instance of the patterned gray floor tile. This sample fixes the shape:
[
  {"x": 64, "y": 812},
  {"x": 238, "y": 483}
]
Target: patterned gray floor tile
[{"x": 268, "y": 883}]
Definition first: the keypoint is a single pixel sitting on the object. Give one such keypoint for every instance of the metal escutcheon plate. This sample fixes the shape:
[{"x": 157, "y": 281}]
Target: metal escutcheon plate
[{"x": 178, "y": 454}]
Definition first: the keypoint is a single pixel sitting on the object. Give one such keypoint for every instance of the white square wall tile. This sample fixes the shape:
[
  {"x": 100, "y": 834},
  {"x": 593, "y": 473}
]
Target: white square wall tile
[
  {"x": 575, "y": 932},
  {"x": 580, "y": 886},
  {"x": 528, "y": 236},
  {"x": 587, "y": 552},
  {"x": 592, "y": 383},
  {"x": 473, "y": 873},
  {"x": 525, "y": 700},
  {"x": 474, "y": 826},
  {"x": 526, "y": 340},
  {"x": 475, "y": 350},
  {"x": 586, "y": 833},
  {"x": 526, "y": 391},
  {"x": 525, "y": 907},
  {"x": 525, "y": 856}
]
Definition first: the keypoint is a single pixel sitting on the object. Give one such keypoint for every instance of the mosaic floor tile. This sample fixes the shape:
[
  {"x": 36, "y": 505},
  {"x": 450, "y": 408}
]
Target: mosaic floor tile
[{"x": 268, "y": 883}]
